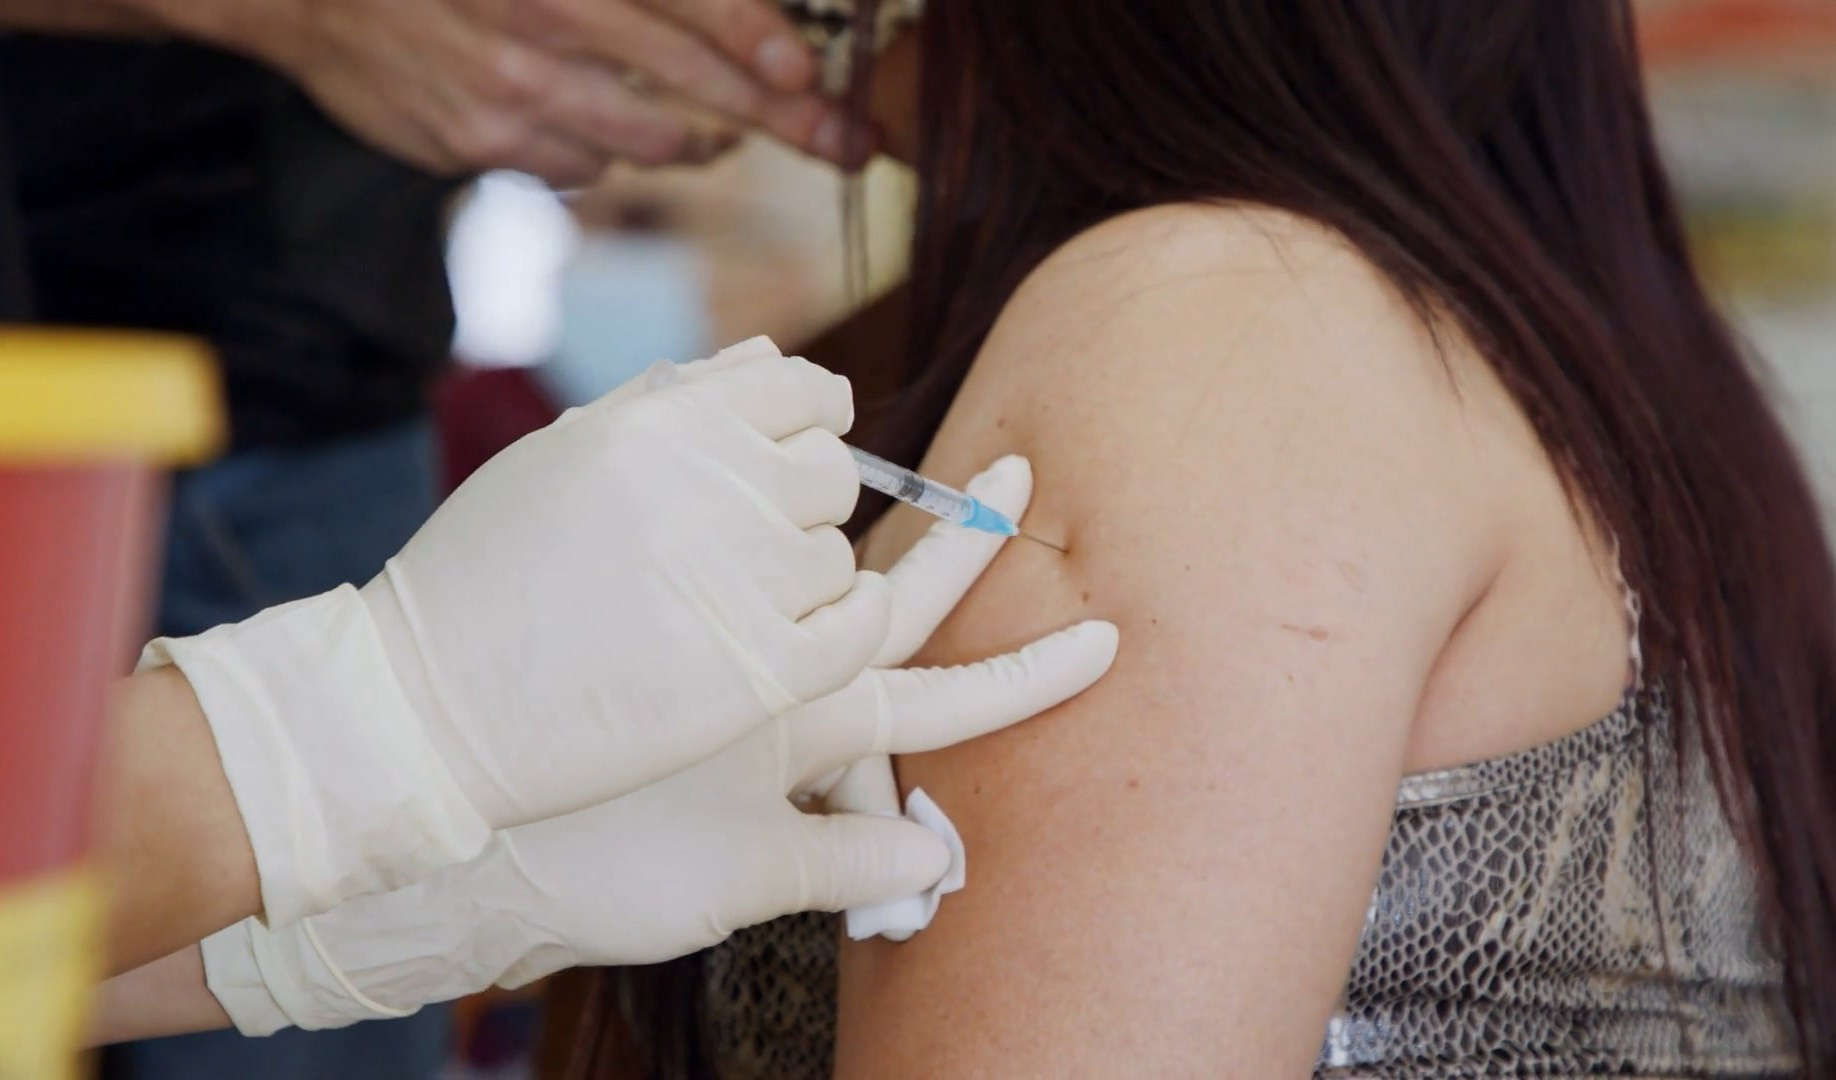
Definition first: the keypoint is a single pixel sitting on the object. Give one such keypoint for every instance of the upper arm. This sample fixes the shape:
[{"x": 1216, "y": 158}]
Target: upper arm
[{"x": 1253, "y": 453}]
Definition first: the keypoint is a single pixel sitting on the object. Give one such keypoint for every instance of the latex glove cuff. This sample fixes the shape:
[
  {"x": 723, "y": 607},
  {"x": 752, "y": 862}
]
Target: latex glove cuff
[
  {"x": 234, "y": 978},
  {"x": 340, "y": 790},
  {"x": 384, "y": 956},
  {"x": 267, "y": 981}
]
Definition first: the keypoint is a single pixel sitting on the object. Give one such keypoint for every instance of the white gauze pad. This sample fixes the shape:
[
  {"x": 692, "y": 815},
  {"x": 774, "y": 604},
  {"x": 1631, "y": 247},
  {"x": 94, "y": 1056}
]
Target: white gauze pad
[{"x": 897, "y": 920}]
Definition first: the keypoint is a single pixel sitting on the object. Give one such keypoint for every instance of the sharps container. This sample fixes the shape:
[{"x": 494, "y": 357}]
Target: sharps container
[{"x": 89, "y": 421}]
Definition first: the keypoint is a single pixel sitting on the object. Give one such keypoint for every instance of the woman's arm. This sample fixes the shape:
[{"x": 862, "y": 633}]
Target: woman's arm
[
  {"x": 173, "y": 841},
  {"x": 166, "y": 997},
  {"x": 1258, "y": 464}
]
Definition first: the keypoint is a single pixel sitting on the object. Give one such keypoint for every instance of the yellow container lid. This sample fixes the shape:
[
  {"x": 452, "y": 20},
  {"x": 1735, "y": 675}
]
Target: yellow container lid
[{"x": 86, "y": 395}]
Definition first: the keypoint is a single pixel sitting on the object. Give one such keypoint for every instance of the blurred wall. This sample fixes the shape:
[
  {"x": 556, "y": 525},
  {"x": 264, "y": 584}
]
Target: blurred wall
[
  {"x": 770, "y": 223},
  {"x": 1745, "y": 98}
]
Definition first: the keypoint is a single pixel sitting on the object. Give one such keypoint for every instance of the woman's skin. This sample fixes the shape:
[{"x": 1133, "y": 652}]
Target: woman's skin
[
  {"x": 1337, "y": 556},
  {"x": 166, "y": 997},
  {"x": 178, "y": 858},
  {"x": 172, "y": 837}
]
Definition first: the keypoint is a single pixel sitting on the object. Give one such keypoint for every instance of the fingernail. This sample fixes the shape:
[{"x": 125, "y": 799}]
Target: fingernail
[{"x": 785, "y": 62}]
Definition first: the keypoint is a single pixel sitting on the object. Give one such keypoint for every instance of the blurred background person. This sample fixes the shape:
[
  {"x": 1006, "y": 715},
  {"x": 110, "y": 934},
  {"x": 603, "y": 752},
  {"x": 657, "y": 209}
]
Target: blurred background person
[
  {"x": 200, "y": 186},
  {"x": 177, "y": 187}
]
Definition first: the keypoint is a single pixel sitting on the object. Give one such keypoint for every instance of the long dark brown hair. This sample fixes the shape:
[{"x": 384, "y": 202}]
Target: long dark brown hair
[{"x": 1496, "y": 161}]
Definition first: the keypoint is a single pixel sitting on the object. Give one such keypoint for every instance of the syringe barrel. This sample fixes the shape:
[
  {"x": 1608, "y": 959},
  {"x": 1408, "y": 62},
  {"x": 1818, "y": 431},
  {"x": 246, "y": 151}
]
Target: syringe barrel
[{"x": 908, "y": 487}]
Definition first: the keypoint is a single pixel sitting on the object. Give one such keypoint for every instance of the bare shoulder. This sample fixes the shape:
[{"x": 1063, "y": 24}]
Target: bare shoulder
[
  {"x": 1228, "y": 295},
  {"x": 1177, "y": 239},
  {"x": 1279, "y": 488},
  {"x": 1241, "y": 256},
  {"x": 1166, "y": 356}
]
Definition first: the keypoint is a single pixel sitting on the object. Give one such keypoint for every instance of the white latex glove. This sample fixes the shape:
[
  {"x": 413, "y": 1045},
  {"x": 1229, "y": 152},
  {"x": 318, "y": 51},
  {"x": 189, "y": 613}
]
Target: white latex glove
[
  {"x": 615, "y": 597},
  {"x": 680, "y": 865}
]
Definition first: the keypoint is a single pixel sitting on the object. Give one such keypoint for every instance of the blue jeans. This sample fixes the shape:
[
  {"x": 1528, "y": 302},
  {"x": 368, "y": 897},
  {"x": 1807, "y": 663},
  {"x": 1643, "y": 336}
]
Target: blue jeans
[{"x": 255, "y": 530}]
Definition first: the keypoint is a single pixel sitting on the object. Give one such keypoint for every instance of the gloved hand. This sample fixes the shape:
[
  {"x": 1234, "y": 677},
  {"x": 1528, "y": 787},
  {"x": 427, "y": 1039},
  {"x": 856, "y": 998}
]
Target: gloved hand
[
  {"x": 617, "y": 596},
  {"x": 679, "y": 865}
]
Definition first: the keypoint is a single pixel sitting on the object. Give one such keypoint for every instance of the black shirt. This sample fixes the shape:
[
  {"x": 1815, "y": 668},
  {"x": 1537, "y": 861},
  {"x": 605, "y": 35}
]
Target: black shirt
[{"x": 170, "y": 186}]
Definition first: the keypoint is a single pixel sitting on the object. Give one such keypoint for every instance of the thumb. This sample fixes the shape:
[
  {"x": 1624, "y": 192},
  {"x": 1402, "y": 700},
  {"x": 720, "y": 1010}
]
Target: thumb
[
  {"x": 850, "y": 860},
  {"x": 867, "y": 786}
]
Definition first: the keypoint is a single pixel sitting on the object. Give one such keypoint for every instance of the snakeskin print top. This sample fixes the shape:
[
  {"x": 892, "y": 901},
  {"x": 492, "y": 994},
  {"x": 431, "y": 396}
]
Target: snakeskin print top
[{"x": 1580, "y": 908}]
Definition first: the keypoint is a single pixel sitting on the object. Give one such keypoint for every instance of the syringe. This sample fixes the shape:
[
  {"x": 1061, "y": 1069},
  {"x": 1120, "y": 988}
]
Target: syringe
[{"x": 934, "y": 498}]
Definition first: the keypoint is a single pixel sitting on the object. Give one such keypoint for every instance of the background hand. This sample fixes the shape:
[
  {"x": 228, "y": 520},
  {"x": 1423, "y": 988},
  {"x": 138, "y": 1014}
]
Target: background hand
[{"x": 557, "y": 88}]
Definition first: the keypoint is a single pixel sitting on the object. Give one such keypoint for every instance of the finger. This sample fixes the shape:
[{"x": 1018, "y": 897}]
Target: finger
[
  {"x": 760, "y": 345},
  {"x": 838, "y": 640},
  {"x": 781, "y": 395},
  {"x": 916, "y": 710},
  {"x": 678, "y": 67},
  {"x": 596, "y": 108},
  {"x": 558, "y": 159},
  {"x": 866, "y": 787},
  {"x": 851, "y": 860},
  {"x": 938, "y": 572},
  {"x": 670, "y": 56},
  {"x": 753, "y": 33},
  {"x": 499, "y": 138},
  {"x": 818, "y": 126},
  {"x": 809, "y": 479},
  {"x": 738, "y": 58},
  {"x": 807, "y": 574},
  {"x": 497, "y": 90},
  {"x": 937, "y": 707},
  {"x": 816, "y": 481},
  {"x": 665, "y": 373}
]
